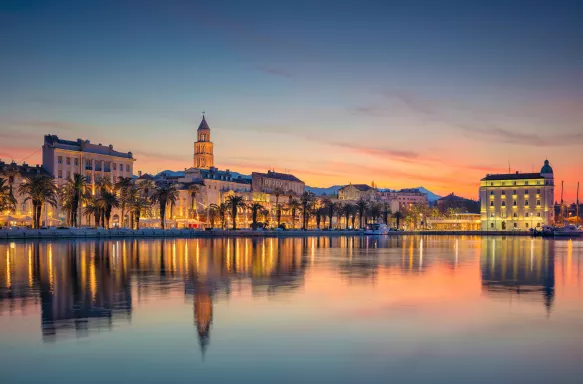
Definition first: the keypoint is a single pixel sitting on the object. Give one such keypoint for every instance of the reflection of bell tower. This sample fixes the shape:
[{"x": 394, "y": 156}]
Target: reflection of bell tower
[
  {"x": 203, "y": 317},
  {"x": 203, "y": 147}
]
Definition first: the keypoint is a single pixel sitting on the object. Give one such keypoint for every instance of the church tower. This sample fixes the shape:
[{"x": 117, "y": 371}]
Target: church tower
[{"x": 203, "y": 147}]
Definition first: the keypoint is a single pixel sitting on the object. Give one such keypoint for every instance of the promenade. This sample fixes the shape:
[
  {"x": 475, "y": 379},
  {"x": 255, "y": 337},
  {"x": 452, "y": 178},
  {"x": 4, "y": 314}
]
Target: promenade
[{"x": 11, "y": 234}]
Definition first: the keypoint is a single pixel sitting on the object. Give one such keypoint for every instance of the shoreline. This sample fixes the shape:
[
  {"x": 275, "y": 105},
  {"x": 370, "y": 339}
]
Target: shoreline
[{"x": 16, "y": 234}]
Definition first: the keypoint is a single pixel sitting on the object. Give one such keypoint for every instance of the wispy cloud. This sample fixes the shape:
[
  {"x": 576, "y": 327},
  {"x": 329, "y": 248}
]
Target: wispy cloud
[{"x": 276, "y": 72}]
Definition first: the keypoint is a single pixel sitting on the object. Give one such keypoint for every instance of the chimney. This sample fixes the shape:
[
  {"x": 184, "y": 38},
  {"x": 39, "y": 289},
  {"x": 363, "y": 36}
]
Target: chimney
[{"x": 139, "y": 173}]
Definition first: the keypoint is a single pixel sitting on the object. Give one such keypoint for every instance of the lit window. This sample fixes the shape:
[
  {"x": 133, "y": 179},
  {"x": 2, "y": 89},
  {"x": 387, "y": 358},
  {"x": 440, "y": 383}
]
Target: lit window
[{"x": 491, "y": 225}]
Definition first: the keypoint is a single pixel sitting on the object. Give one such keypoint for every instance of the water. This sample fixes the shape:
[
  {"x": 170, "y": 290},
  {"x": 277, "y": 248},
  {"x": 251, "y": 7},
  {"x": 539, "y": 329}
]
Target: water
[{"x": 409, "y": 309}]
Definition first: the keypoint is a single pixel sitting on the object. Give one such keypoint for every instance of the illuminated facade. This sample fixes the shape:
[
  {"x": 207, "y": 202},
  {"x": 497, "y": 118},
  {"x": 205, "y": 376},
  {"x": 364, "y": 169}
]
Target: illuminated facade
[
  {"x": 270, "y": 181},
  {"x": 355, "y": 192},
  {"x": 203, "y": 147},
  {"x": 517, "y": 201}
]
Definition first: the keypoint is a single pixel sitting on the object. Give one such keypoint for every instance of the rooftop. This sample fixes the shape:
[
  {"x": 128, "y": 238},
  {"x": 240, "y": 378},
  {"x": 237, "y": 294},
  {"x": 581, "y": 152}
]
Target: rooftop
[
  {"x": 278, "y": 176},
  {"x": 513, "y": 176},
  {"x": 203, "y": 125},
  {"x": 84, "y": 146},
  {"x": 360, "y": 187}
]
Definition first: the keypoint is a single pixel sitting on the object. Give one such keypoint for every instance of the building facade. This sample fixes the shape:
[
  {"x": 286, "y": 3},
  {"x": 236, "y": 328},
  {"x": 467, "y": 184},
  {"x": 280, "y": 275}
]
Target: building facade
[
  {"x": 517, "y": 201},
  {"x": 354, "y": 192},
  {"x": 271, "y": 181},
  {"x": 203, "y": 147},
  {"x": 63, "y": 158}
]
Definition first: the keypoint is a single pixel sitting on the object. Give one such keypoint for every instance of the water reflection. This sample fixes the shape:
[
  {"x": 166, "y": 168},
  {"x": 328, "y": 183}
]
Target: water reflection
[{"x": 89, "y": 286}]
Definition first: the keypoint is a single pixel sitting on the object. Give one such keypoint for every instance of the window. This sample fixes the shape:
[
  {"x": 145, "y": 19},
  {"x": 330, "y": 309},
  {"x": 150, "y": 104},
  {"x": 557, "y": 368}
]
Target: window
[
  {"x": 538, "y": 214},
  {"x": 492, "y": 193},
  {"x": 491, "y": 225},
  {"x": 503, "y": 203},
  {"x": 514, "y": 203},
  {"x": 69, "y": 175},
  {"x": 60, "y": 173},
  {"x": 491, "y": 203},
  {"x": 492, "y": 214},
  {"x": 76, "y": 161},
  {"x": 526, "y": 203},
  {"x": 515, "y": 184},
  {"x": 538, "y": 202},
  {"x": 515, "y": 225},
  {"x": 68, "y": 161},
  {"x": 503, "y": 192},
  {"x": 538, "y": 225},
  {"x": 515, "y": 215},
  {"x": 538, "y": 191},
  {"x": 114, "y": 166},
  {"x": 60, "y": 159},
  {"x": 526, "y": 191},
  {"x": 526, "y": 225},
  {"x": 491, "y": 184},
  {"x": 127, "y": 168},
  {"x": 514, "y": 192},
  {"x": 121, "y": 167}
]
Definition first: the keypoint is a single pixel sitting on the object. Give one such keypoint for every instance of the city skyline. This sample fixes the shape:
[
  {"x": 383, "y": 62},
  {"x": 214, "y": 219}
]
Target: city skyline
[{"x": 405, "y": 95}]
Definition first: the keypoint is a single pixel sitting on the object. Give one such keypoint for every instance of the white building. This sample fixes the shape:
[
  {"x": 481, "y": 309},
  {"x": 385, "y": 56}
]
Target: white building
[
  {"x": 63, "y": 158},
  {"x": 517, "y": 201}
]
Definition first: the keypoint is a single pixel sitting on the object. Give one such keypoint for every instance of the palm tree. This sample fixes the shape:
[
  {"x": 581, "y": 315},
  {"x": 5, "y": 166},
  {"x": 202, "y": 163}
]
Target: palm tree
[
  {"x": 398, "y": 216},
  {"x": 255, "y": 209},
  {"x": 235, "y": 202},
  {"x": 92, "y": 208},
  {"x": 122, "y": 186},
  {"x": 75, "y": 193},
  {"x": 347, "y": 210},
  {"x": 41, "y": 190},
  {"x": 137, "y": 206},
  {"x": 164, "y": 194},
  {"x": 307, "y": 200},
  {"x": 293, "y": 206},
  {"x": 212, "y": 214},
  {"x": 104, "y": 184},
  {"x": 146, "y": 186},
  {"x": 277, "y": 192},
  {"x": 330, "y": 207},
  {"x": 221, "y": 211},
  {"x": 374, "y": 211},
  {"x": 12, "y": 171},
  {"x": 319, "y": 212},
  {"x": 361, "y": 205},
  {"x": 193, "y": 190},
  {"x": 386, "y": 211},
  {"x": 7, "y": 200},
  {"x": 107, "y": 201}
]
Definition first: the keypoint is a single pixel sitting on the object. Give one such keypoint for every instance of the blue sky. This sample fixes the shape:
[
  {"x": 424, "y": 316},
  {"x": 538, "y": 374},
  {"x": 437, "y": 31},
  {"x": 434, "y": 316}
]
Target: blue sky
[{"x": 404, "y": 93}]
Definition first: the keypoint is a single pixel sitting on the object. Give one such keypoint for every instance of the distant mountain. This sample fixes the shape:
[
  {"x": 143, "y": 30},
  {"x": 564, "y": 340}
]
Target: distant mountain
[
  {"x": 430, "y": 195},
  {"x": 333, "y": 190}
]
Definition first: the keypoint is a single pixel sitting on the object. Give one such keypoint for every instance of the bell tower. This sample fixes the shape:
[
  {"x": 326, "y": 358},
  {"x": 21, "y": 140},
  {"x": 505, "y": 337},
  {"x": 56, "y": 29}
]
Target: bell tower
[{"x": 203, "y": 147}]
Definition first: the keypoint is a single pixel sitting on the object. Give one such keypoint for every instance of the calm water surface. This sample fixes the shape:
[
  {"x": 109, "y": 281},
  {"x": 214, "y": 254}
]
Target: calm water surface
[{"x": 409, "y": 309}]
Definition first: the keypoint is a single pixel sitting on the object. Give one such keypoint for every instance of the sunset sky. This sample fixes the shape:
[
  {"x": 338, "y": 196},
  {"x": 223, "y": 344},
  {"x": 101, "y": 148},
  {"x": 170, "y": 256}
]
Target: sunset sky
[{"x": 405, "y": 93}]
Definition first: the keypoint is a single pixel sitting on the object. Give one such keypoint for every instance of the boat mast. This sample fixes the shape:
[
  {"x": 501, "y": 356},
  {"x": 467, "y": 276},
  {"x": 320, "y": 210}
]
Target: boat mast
[{"x": 577, "y": 204}]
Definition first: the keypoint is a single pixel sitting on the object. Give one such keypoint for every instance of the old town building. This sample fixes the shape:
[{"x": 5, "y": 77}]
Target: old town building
[
  {"x": 518, "y": 201},
  {"x": 272, "y": 181}
]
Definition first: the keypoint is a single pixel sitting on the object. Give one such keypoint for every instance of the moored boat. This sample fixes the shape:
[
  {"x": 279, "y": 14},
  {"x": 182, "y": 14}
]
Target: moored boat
[
  {"x": 377, "y": 229},
  {"x": 568, "y": 230}
]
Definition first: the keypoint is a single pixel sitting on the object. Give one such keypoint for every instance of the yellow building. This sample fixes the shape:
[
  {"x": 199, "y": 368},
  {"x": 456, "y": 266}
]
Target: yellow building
[{"x": 517, "y": 201}]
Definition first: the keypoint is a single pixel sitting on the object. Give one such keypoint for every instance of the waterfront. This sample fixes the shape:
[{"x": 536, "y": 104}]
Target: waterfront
[{"x": 312, "y": 309}]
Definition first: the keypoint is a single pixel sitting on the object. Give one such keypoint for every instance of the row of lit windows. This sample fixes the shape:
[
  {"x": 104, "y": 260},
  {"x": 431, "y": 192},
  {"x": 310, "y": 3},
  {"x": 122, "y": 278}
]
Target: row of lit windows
[
  {"x": 516, "y": 226},
  {"x": 515, "y": 215},
  {"x": 514, "y": 192},
  {"x": 515, "y": 203},
  {"x": 538, "y": 182},
  {"x": 98, "y": 164}
]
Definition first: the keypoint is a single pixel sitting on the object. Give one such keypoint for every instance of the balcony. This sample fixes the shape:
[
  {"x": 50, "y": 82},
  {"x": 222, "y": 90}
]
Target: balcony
[{"x": 88, "y": 168}]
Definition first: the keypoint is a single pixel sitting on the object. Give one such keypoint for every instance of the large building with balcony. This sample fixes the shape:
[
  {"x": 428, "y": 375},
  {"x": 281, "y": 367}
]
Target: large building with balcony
[
  {"x": 517, "y": 201},
  {"x": 63, "y": 158}
]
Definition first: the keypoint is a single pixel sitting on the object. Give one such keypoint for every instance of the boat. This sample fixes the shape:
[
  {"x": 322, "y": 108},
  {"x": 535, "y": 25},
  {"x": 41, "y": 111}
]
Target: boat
[
  {"x": 569, "y": 230},
  {"x": 377, "y": 229}
]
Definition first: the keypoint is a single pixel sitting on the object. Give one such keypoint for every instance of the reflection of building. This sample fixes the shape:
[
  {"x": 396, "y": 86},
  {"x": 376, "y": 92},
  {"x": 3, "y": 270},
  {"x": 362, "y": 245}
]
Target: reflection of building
[
  {"x": 517, "y": 200},
  {"x": 203, "y": 316},
  {"x": 520, "y": 268},
  {"x": 459, "y": 222}
]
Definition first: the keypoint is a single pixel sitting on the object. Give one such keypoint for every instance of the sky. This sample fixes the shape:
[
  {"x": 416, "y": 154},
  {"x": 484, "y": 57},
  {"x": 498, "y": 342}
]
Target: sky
[{"x": 402, "y": 93}]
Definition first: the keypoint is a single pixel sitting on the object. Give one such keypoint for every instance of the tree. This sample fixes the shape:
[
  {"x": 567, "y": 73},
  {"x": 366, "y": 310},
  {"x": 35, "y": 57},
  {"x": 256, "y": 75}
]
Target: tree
[
  {"x": 73, "y": 194},
  {"x": 122, "y": 186},
  {"x": 41, "y": 190},
  {"x": 221, "y": 212},
  {"x": 138, "y": 205},
  {"x": 234, "y": 202},
  {"x": 104, "y": 184},
  {"x": 146, "y": 186},
  {"x": 330, "y": 207},
  {"x": 386, "y": 211},
  {"x": 307, "y": 199},
  {"x": 193, "y": 190},
  {"x": 255, "y": 209},
  {"x": 319, "y": 212},
  {"x": 374, "y": 211},
  {"x": 277, "y": 192},
  {"x": 163, "y": 195},
  {"x": 398, "y": 216},
  {"x": 92, "y": 208},
  {"x": 7, "y": 200},
  {"x": 212, "y": 215},
  {"x": 347, "y": 210},
  {"x": 361, "y": 205},
  {"x": 107, "y": 201},
  {"x": 293, "y": 206}
]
